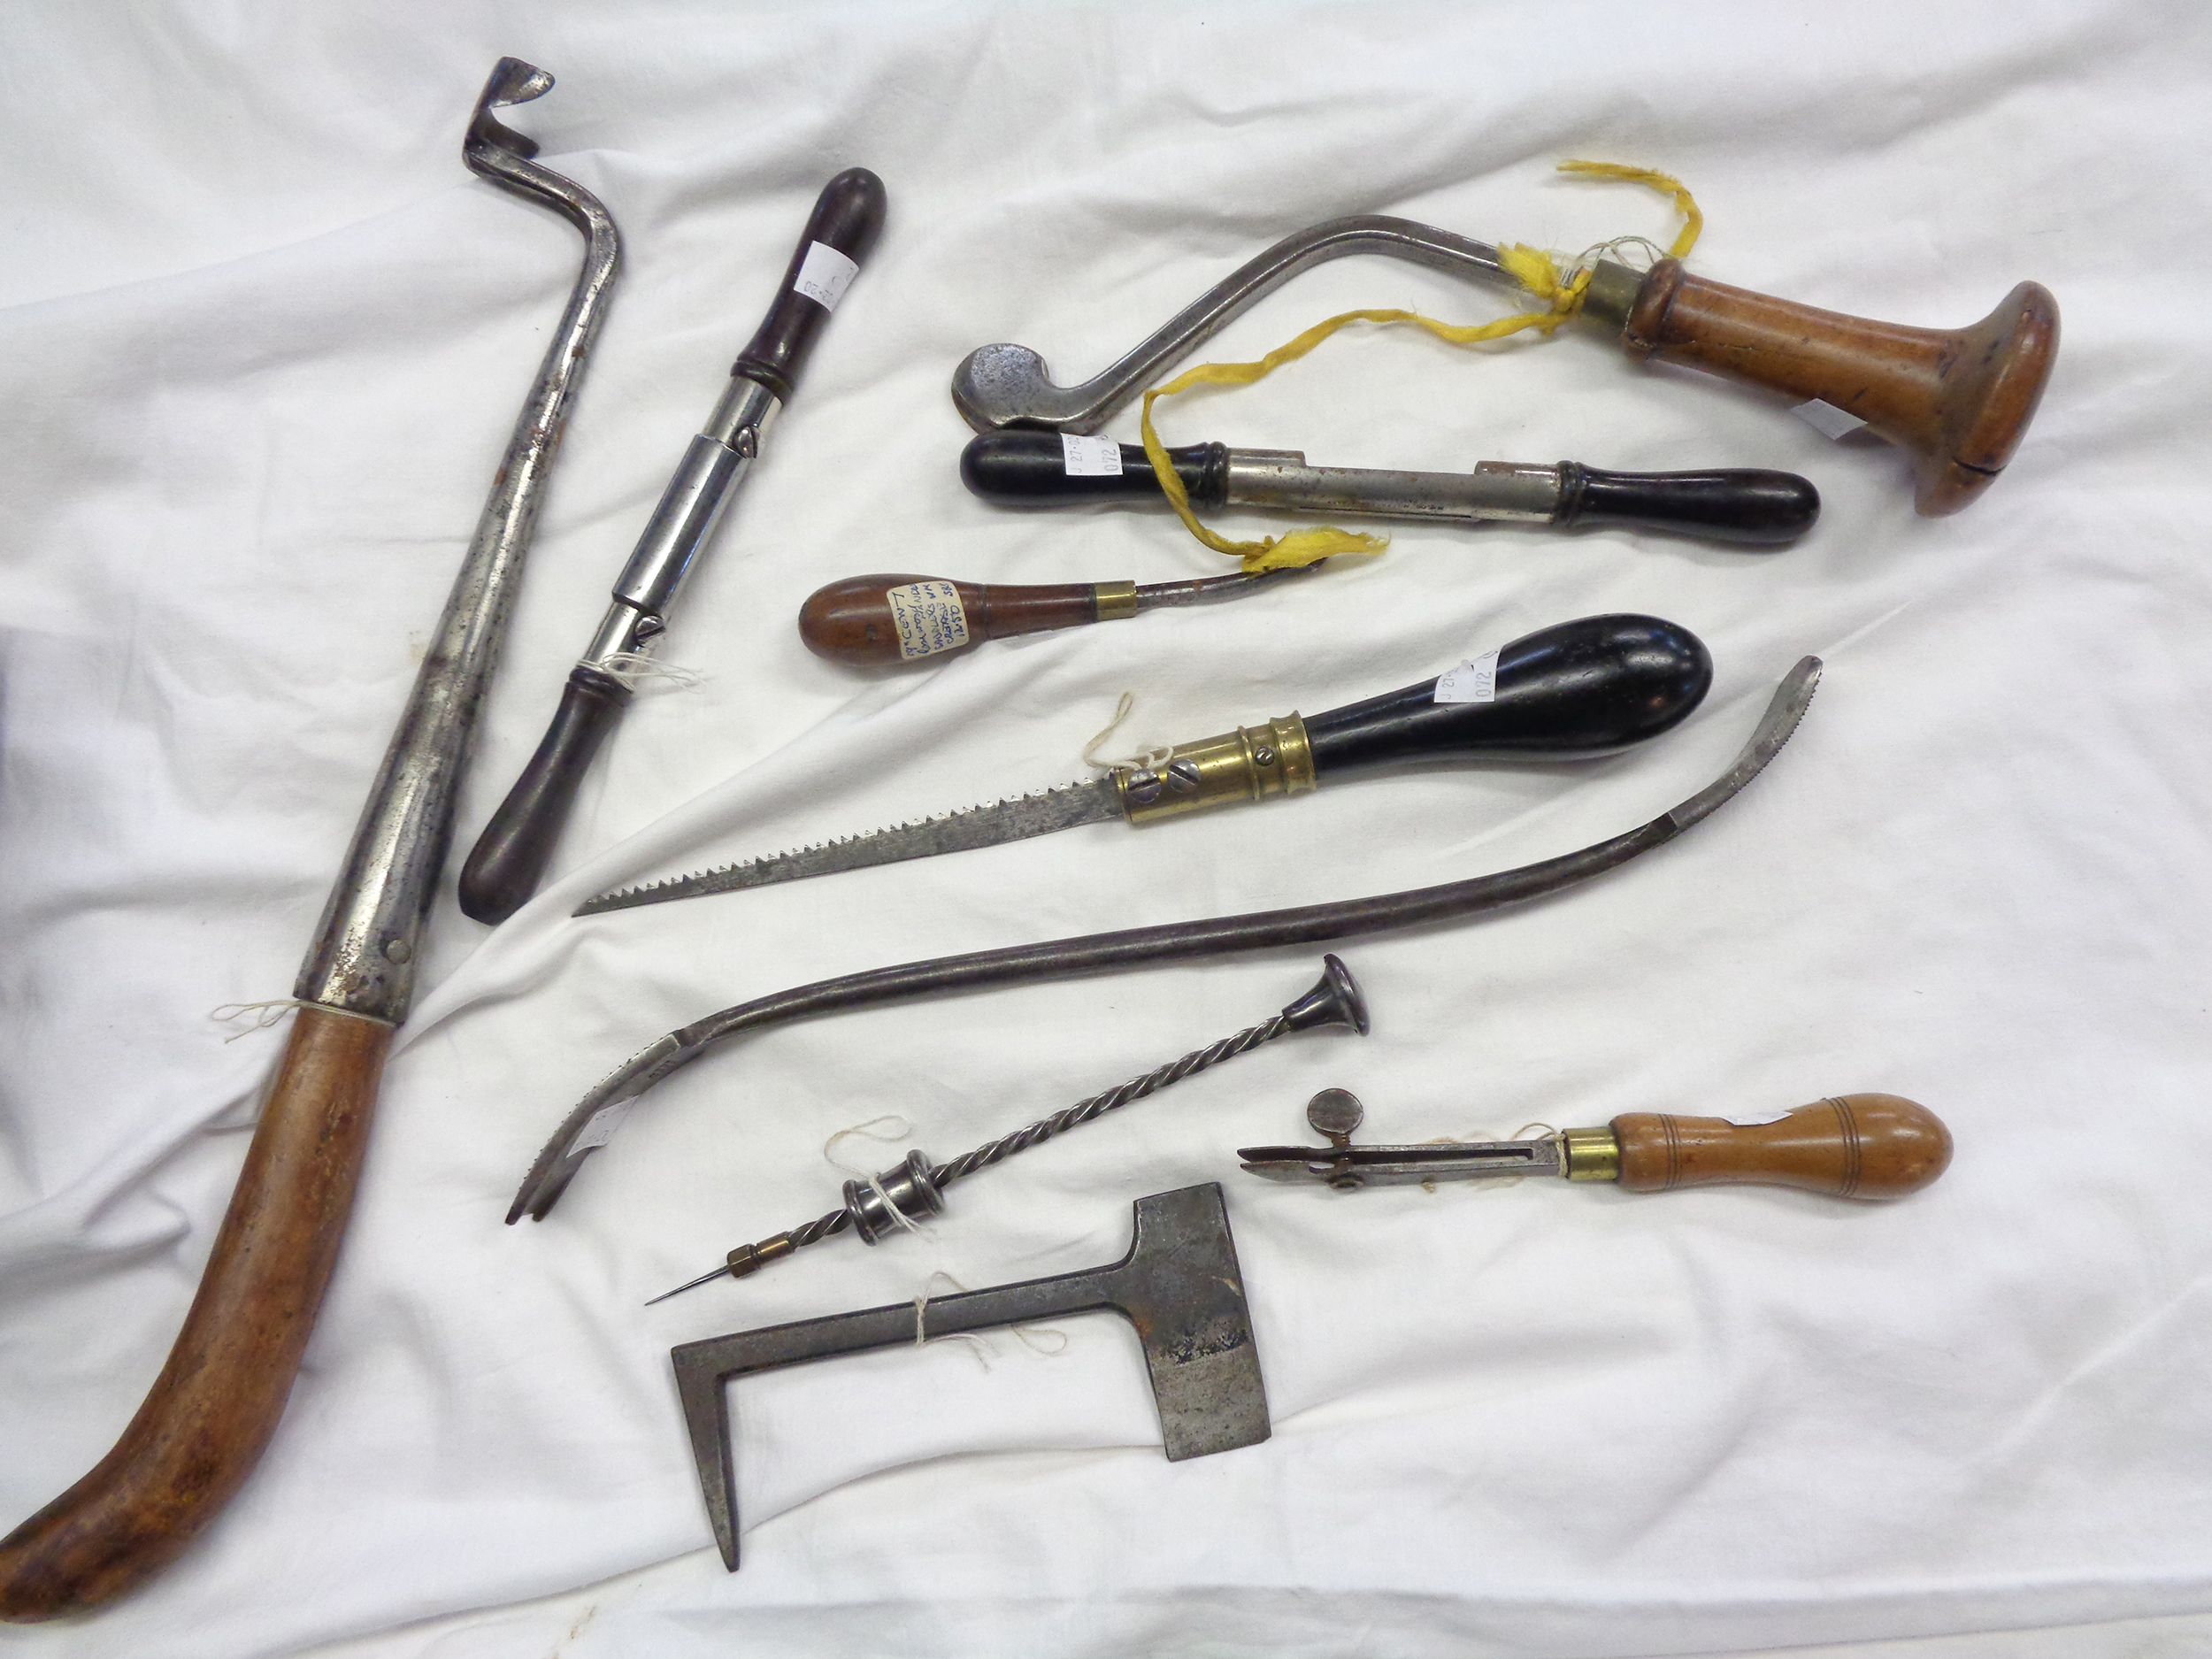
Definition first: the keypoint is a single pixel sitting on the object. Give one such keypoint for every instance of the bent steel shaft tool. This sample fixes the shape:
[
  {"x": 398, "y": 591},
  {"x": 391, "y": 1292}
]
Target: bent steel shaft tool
[
  {"x": 217, "y": 1401},
  {"x": 1747, "y": 506},
  {"x": 1575, "y": 690},
  {"x": 1958, "y": 399},
  {"x": 1179, "y": 1285},
  {"x": 509, "y": 859},
  {"x": 914, "y": 1186},
  {"x": 1849, "y": 1146},
  {"x": 595, "y": 1119}
]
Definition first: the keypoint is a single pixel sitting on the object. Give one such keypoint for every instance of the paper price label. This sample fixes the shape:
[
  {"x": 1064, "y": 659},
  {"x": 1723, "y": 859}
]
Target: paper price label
[
  {"x": 824, "y": 275},
  {"x": 601, "y": 1124},
  {"x": 1474, "y": 680},
  {"x": 1826, "y": 419},
  {"x": 1083, "y": 455},
  {"x": 929, "y": 619}
]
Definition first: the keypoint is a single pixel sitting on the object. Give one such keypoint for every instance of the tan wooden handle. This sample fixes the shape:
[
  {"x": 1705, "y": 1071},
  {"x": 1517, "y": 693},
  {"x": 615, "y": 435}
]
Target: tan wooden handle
[
  {"x": 217, "y": 1401},
  {"x": 1855, "y": 1146},
  {"x": 1959, "y": 399},
  {"x": 852, "y": 621}
]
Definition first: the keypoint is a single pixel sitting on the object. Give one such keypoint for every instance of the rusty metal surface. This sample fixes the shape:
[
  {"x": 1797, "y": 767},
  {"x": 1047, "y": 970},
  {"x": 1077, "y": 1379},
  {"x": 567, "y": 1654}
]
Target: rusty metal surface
[{"x": 1179, "y": 1285}]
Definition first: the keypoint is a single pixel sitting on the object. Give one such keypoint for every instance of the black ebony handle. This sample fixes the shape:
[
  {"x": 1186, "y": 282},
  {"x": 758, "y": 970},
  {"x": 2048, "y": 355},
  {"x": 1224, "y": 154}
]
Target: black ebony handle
[
  {"x": 846, "y": 218},
  {"x": 1018, "y": 469},
  {"x": 1741, "y": 504},
  {"x": 1584, "y": 688},
  {"x": 510, "y": 856}
]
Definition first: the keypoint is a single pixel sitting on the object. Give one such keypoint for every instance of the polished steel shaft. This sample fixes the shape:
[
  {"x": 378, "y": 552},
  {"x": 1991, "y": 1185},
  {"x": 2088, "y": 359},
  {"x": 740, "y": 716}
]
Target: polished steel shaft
[{"x": 362, "y": 959}]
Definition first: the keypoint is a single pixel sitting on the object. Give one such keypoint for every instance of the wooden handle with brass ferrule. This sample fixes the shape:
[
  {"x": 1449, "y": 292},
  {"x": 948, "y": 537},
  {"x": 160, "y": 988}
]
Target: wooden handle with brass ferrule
[
  {"x": 879, "y": 621},
  {"x": 217, "y": 1399},
  {"x": 1959, "y": 399},
  {"x": 1852, "y": 1146}
]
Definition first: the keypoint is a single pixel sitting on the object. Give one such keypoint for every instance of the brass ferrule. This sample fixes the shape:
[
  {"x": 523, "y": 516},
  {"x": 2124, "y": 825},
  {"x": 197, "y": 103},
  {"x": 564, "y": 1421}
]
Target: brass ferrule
[
  {"x": 750, "y": 1258},
  {"x": 1590, "y": 1154},
  {"x": 1115, "y": 602},
  {"x": 1611, "y": 295},
  {"x": 1249, "y": 764}
]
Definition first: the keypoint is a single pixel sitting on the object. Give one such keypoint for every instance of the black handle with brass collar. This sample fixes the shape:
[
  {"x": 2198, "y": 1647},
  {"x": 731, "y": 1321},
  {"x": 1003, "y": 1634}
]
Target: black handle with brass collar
[{"x": 1581, "y": 688}]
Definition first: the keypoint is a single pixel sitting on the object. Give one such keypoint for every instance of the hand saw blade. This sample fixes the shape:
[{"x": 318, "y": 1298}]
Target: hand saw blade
[{"x": 1090, "y": 802}]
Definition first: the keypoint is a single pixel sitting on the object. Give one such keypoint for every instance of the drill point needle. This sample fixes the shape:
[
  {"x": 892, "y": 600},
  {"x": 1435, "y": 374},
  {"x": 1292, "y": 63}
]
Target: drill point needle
[{"x": 693, "y": 1285}]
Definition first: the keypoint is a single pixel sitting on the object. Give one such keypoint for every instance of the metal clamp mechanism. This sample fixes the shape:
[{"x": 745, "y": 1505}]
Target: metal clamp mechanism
[{"x": 1335, "y": 1113}]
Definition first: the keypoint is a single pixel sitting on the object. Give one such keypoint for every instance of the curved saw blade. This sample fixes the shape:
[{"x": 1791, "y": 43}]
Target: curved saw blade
[{"x": 1091, "y": 802}]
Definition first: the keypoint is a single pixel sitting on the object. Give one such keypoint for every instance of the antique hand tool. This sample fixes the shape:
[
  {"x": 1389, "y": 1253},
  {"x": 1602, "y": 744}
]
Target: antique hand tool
[
  {"x": 874, "y": 621},
  {"x": 510, "y": 858},
  {"x": 1850, "y": 1145},
  {"x": 914, "y": 1186},
  {"x": 1757, "y": 509},
  {"x": 1590, "y": 687},
  {"x": 592, "y": 1123},
  {"x": 217, "y": 1401},
  {"x": 1179, "y": 1285},
  {"x": 1958, "y": 399}
]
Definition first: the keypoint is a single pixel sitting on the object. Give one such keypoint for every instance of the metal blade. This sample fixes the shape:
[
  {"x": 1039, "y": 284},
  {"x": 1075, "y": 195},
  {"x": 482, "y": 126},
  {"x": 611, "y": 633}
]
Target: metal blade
[{"x": 1091, "y": 802}]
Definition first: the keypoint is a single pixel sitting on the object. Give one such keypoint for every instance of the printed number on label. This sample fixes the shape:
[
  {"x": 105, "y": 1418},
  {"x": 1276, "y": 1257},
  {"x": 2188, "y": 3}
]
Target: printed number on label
[
  {"x": 824, "y": 275},
  {"x": 1088, "y": 457},
  {"x": 1474, "y": 680}
]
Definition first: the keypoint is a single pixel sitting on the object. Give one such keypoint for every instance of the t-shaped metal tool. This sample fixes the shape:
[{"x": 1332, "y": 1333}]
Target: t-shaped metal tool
[{"x": 1179, "y": 1286}]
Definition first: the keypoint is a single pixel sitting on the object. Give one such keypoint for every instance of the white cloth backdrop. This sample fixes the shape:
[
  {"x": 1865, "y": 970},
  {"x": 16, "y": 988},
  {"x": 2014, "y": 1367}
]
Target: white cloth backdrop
[{"x": 263, "y": 339}]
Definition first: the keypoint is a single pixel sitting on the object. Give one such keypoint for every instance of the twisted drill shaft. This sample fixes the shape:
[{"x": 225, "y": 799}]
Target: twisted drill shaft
[
  {"x": 1302, "y": 1015},
  {"x": 1174, "y": 1072}
]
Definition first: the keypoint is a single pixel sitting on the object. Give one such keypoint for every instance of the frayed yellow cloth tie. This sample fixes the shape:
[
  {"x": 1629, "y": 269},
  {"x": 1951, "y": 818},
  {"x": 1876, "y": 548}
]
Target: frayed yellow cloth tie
[{"x": 1534, "y": 269}]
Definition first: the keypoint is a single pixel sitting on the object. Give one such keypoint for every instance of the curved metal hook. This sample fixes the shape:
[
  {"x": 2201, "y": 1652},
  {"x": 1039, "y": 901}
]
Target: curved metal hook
[
  {"x": 1008, "y": 385},
  {"x": 596, "y": 1117}
]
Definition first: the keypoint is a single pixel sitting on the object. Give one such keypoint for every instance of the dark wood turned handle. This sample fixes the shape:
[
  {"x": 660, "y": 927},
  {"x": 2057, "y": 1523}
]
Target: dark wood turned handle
[
  {"x": 1590, "y": 687},
  {"x": 1959, "y": 399},
  {"x": 1014, "y": 468},
  {"x": 510, "y": 857},
  {"x": 847, "y": 215},
  {"x": 852, "y": 622},
  {"x": 217, "y": 1401},
  {"x": 1855, "y": 1146}
]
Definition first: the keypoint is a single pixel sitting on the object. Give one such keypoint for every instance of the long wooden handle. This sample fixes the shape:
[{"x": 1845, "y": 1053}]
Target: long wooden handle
[
  {"x": 1959, "y": 399},
  {"x": 216, "y": 1402},
  {"x": 1855, "y": 1146}
]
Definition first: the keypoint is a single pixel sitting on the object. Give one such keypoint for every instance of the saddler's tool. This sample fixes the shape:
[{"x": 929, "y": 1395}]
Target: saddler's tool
[
  {"x": 874, "y": 621},
  {"x": 1958, "y": 399},
  {"x": 217, "y": 1399},
  {"x": 1179, "y": 1285},
  {"x": 592, "y": 1123},
  {"x": 1590, "y": 687},
  {"x": 914, "y": 1186},
  {"x": 510, "y": 858},
  {"x": 1852, "y": 1146},
  {"x": 1753, "y": 508}
]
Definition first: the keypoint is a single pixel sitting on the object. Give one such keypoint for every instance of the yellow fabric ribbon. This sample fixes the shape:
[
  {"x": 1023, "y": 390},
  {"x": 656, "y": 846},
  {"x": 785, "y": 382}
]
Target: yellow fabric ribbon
[{"x": 1534, "y": 269}]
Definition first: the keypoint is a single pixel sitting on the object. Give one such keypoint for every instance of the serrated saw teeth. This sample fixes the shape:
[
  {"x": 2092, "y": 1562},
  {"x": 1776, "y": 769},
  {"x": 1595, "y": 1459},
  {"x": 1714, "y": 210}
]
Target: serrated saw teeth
[{"x": 1012, "y": 818}]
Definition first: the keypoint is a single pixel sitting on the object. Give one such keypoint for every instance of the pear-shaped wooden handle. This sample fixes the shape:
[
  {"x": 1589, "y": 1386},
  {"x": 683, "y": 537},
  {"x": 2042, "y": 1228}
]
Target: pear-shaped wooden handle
[
  {"x": 1854, "y": 1145},
  {"x": 216, "y": 1402},
  {"x": 1959, "y": 399}
]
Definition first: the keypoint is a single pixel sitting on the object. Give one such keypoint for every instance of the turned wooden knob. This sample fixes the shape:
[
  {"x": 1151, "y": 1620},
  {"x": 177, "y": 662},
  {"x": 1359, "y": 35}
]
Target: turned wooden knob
[
  {"x": 1959, "y": 399},
  {"x": 1854, "y": 1145}
]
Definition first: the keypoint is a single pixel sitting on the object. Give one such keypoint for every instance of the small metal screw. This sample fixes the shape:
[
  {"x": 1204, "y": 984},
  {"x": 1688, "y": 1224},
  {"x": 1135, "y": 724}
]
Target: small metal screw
[
  {"x": 1183, "y": 776},
  {"x": 1143, "y": 787},
  {"x": 1263, "y": 756}
]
